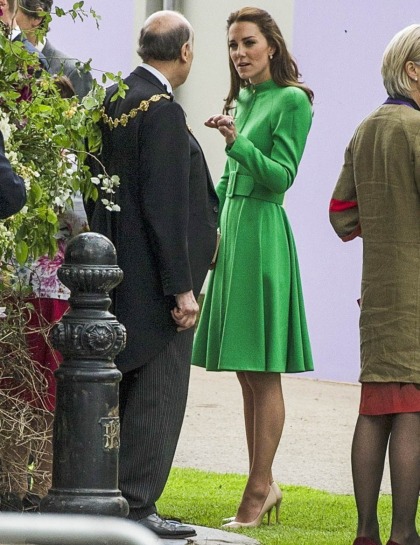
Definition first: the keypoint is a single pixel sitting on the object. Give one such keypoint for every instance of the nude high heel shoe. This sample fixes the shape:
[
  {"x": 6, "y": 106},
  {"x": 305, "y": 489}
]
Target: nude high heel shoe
[
  {"x": 279, "y": 496},
  {"x": 270, "y": 502}
]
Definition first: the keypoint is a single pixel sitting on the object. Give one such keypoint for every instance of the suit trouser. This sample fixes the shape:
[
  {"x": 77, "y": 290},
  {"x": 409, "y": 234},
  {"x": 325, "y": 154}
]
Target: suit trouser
[{"x": 152, "y": 407}]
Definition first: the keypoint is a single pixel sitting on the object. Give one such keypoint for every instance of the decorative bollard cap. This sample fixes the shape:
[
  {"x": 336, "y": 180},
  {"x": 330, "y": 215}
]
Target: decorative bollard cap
[
  {"x": 89, "y": 330},
  {"x": 90, "y": 266},
  {"x": 90, "y": 249}
]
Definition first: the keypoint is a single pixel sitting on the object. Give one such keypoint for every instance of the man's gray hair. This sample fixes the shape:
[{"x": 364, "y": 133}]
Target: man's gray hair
[{"x": 164, "y": 44}]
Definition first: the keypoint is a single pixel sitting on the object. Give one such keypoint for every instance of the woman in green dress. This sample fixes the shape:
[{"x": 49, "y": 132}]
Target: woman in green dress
[{"x": 253, "y": 319}]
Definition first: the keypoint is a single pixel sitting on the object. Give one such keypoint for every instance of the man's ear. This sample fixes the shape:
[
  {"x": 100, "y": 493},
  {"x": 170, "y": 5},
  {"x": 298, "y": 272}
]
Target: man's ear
[{"x": 185, "y": 52}]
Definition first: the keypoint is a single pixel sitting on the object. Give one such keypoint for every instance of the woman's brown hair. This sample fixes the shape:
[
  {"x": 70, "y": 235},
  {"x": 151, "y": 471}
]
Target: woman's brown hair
[{"x": 283, "y": 67}]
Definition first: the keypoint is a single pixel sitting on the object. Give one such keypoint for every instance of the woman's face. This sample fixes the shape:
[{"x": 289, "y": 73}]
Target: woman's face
[
  {"x": 249, "y": 51},
  {"x": 27, "y": 24}
]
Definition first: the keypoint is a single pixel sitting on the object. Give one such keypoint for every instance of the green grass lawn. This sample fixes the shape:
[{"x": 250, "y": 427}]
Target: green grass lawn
[{"x": 307, "y": 516}]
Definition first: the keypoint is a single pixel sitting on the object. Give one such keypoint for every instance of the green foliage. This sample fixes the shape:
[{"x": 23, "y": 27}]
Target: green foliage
[
  {"x": 307, "y": 516},
  {"x": 78, "y": 12},
  {"x": 48, "y": 140}
]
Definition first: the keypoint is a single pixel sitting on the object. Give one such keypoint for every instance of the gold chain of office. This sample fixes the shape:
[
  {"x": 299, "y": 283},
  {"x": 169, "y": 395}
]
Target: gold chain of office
[{"x": 125, "y": 118}]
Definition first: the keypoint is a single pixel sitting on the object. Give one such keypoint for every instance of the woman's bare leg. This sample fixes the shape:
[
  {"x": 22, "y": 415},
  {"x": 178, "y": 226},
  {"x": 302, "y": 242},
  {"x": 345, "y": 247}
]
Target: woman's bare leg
[
  {"x": 268, "y": 409},
  {"x": 248, "y": 405}
]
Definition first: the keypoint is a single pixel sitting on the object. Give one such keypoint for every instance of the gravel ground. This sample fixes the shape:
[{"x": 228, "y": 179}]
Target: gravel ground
[{"x": 314, "y": 450}]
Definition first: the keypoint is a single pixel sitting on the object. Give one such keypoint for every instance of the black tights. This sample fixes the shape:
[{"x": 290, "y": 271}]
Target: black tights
[{"x": 370, "y": 442}]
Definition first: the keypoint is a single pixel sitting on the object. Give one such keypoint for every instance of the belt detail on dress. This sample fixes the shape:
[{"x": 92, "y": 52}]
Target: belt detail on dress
[{"x": 241, "y": 184}]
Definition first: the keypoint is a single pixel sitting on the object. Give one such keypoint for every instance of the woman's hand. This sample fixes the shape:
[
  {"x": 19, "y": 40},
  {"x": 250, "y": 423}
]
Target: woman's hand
[{"x": 225, "y": 125}]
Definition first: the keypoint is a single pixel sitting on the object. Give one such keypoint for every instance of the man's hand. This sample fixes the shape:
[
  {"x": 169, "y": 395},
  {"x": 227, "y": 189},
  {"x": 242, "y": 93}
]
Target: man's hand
[{"x": 186, "y": 310}]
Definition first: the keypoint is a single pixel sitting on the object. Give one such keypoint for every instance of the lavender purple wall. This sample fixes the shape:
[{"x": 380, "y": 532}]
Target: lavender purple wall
[
  {"x": 111, "y": 47},
  {"x": 338, "y": 46}
]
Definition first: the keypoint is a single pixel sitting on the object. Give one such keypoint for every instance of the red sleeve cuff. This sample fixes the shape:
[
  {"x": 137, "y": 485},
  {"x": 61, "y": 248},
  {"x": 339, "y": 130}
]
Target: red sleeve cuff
[{"x": 339, "y": 206}]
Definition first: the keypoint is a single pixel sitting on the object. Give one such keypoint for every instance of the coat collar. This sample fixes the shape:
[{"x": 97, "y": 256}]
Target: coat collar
[{"x": 141, "y": 72}]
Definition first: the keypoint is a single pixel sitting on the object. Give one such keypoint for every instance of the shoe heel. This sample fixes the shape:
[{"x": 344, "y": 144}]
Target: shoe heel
[
  {"x": 269, "y": 516},
  {"x": 277, "y": 510},
  {"x": 279, "y": 496}
]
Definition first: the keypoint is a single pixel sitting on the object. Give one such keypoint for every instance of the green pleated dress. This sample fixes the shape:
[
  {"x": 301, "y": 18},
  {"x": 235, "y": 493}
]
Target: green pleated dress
[{"x": 253, "y": 316}]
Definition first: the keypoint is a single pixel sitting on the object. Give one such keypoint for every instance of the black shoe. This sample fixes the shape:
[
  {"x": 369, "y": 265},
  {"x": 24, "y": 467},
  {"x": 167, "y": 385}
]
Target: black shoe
[{"x": 165, "y": 529}]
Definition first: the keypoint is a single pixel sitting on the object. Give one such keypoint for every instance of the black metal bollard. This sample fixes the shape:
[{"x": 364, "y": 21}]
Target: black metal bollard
[{"x": 86, "y": 424}]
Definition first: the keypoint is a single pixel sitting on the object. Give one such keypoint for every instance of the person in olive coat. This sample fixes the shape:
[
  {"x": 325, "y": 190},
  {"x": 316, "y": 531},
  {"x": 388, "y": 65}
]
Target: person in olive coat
[{"x": 377, "y": 197}]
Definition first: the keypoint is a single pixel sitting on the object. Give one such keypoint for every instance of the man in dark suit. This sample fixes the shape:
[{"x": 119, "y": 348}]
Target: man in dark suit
[
  {"x": 30, "y": 17},
  {"x": 165, "y": 237},
  {"x": 12, "y": 187}
]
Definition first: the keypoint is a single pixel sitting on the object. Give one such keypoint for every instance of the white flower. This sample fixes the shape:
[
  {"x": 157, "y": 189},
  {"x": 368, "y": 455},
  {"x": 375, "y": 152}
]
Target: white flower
[
  {"x": 58, "y": 201},
  {"x": 12, "y": 156},
  {"x": 95, "y": 180},
  {"x": 5, "y": 127}
]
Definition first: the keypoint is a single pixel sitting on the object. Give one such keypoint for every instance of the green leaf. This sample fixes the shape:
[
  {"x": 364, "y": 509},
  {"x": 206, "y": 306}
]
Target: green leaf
[
  {"x": 51, "y": 216},
  {"x": 36, "y": 192},
  {"x": 89, "y": 103},
  {"x": 22, "y": 252}
]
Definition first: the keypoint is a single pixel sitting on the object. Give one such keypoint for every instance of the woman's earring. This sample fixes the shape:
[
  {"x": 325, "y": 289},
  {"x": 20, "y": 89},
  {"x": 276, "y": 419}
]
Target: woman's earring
[{"x": 271, "y": 57}]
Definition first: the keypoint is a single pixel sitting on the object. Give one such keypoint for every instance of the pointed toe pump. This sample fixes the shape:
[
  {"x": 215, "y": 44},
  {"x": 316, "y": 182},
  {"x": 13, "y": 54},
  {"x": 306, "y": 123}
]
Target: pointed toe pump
[{"x": 270, "y": 502}]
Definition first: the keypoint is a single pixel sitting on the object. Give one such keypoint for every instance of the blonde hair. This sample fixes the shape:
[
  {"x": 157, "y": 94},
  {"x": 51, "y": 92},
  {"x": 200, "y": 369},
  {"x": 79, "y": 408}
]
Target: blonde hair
[{"x": 404, "y": 47}]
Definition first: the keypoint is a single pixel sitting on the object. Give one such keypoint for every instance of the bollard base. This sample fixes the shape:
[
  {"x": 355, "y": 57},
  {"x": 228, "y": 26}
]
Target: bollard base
[{"x": 88, "y": 503}]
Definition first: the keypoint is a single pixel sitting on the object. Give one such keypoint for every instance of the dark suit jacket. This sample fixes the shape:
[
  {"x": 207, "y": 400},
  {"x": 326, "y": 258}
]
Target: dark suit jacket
[
  {"x": 59, "y": 62},
  {"x": 165, "y": 233},
  {"x": 12, "y": 187}
]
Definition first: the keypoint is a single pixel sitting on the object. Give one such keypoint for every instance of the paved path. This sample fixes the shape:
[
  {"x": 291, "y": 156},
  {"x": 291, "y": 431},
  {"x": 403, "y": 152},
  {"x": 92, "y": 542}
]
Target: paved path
[{"x": 315, "y": 447}]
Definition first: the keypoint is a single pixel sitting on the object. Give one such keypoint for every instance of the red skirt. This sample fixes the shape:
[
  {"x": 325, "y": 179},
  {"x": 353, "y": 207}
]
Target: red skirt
[
  {"x": 380, "y": 398},
  {"x": 46, "y": 312},
  {"x": 45, "y": 359}
]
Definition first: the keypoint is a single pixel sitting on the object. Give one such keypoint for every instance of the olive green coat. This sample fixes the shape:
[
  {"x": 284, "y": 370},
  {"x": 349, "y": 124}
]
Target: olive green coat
[{"x": 379, "y": 189}]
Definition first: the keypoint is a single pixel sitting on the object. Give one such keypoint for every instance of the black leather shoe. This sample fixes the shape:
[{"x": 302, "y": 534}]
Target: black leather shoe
[{"x": 165, "y": 529}]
